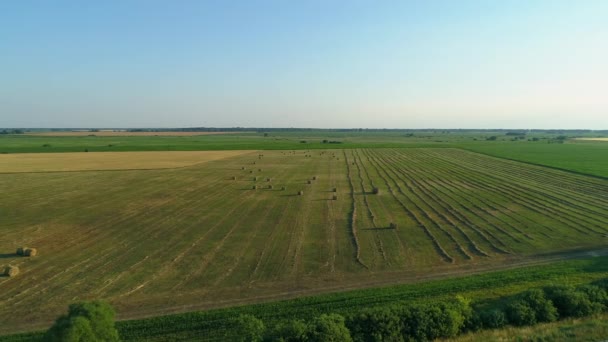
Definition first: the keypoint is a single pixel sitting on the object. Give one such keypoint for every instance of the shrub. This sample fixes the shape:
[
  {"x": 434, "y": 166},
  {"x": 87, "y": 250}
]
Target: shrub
[
  {"x": 493, "y": 319},
  {"x": 429, "y": 322},
  {"x": 87, "y": 321},
  {"x": 520, "y": 313},
  {"x": 544, "y": 310},
  {"x": 328, "y": 328},
  {"x": 596, "y": 295},
  {"x": 290, "y": 331},
  {"x": 249, "y": 328},
  {"x": 375, "y": 325},
  {"x": 572, "y": 303}
]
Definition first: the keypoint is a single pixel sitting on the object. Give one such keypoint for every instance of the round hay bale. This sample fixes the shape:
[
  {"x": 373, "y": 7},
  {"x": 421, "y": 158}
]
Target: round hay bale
[
  {"x": 376, "y": 191},
  {"x": 335, "y": 189},
  {"x": 21, "y": 250},
  {"x": 243, "y": 168},
  {"x": 314, "y": 177},
  {"x": 254, "y": 187},
  {"x": 300, "y": 193},
  {"x": 260, "y": 170},
  {"x": 269, "y": 186},
  {"x": 250, "y": 171},
  {"x": 233, "y": 178},
  {"x": 255, "y": 179},
  {"x": 11, "y": 271},
  {"x": 393, "y": 225},
  {"x": 30, "y": 252},
  {"x": 283, "y": 188},
  {"x": 309, "y": 181},
  {"x": 253, "y": 163},
  {"x": 268, "y": 179},
  {"x": 335, "y": 197}
]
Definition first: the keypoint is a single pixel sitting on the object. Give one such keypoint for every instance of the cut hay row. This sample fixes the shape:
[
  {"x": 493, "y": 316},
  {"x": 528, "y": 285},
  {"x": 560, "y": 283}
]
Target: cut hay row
[
  {"x": 425, "y": 210},
  {"x": 474, "y": 202},
  {"x": 536, "y": 201},
  {"x": 370, "y": 215},
  {"x": 564, "y": 198},
  {"x": 483, "y": 184},
  {"x": 486, "y": 222},
  {"x": 560, "y": 194},
  {"x": 419, "y": 221},
  {"x": 353, "y": 215},
  {"x": 394, "y": 239},
  {"x": 518, "y": 194},
  {"x": 451, "y": 216},
  {"x": 560, "y": 180}
]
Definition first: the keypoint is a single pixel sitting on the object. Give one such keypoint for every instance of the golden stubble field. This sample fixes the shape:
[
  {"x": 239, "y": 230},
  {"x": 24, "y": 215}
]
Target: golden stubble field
[
  {"x": 167, "y": 240},
  {"x": 85, "y": 161}
]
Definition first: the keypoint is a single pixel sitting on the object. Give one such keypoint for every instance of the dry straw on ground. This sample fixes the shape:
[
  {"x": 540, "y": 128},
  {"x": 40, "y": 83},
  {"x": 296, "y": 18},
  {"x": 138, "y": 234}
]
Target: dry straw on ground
[
  {"x": 30, "y": 252},
  {"x": 11, "y": 271}
]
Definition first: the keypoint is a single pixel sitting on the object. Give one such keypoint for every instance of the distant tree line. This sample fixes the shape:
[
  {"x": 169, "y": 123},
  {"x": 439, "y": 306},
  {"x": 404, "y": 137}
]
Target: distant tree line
[{"x": 11, "y": 131}]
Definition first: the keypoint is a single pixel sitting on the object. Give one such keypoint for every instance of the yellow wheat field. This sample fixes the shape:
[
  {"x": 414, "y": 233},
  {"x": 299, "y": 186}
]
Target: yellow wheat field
[{"x": 83, "y": 161}]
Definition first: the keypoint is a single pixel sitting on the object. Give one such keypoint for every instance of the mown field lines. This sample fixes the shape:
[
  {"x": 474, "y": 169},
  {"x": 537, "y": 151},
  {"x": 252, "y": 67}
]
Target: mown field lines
[{"x": 173, "y": 239}]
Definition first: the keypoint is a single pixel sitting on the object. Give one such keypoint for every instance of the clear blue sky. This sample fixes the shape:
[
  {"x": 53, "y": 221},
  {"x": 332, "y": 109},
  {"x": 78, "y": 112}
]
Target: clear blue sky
[{"x": 327, "y": 63}]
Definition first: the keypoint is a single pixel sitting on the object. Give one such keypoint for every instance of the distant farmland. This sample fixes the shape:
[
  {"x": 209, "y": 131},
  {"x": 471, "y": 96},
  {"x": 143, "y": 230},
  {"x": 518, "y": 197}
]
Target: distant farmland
[
  {"x": 168, "y": 239},
  {"x": 125, "y": 133}
]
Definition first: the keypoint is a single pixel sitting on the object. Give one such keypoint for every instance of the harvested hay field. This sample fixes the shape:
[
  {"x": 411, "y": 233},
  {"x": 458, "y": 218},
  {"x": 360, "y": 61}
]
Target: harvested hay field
[
  {"x": 126, "y": 134},
  {"x": 87, "y": 161},
  {"x": 593, "y": 139},
  {"x": 153, "y": 241}
]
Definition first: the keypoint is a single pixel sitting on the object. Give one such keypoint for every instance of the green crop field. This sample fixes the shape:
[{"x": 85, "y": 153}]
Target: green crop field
[{"x": 171, "y": 240}]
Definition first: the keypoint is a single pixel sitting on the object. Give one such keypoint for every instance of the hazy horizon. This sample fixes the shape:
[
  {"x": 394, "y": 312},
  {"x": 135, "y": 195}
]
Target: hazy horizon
[{"x": 273, "y": 64}]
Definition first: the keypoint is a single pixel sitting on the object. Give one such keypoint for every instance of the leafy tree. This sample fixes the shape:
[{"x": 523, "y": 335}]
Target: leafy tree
[
  {"x": 544, "y": 310},
  {"x": 596, "y": 295},
  {"x": 328, "y": 328},
  {"x": 429, "y": 322},
  {"x": 520, "y": 313},
  {"x": 249, "y": 328},
  {"x": 493, "y": 319},
  {"x": 571, "y": 303},
  {"x": 87, "y": 321},
  {"x": 290, "y": 331},
  {"x": 375, "y": 325}
]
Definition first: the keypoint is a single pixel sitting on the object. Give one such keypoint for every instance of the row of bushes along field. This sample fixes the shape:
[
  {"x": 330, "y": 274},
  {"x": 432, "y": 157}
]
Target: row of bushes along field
[
  {"x": 417, "y": 322},
  {"x": 422, "y": 322}
]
